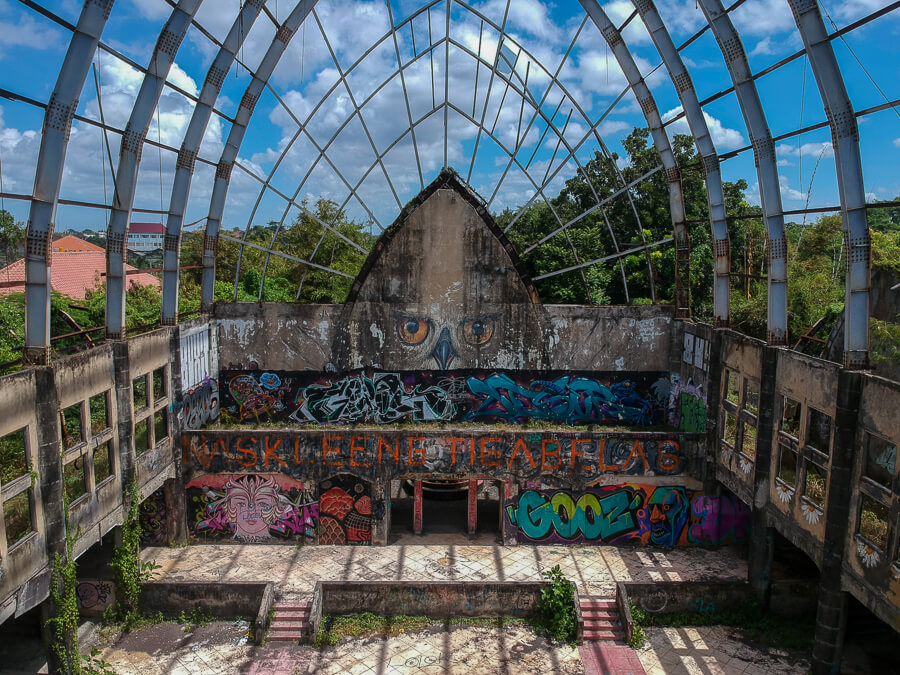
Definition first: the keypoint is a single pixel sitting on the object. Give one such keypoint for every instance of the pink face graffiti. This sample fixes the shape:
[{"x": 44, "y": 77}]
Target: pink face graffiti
[{"x": 251, "y": 505}]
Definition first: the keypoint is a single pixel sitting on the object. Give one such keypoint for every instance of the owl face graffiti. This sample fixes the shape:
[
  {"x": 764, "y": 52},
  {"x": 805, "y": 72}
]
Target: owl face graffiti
[{"x": 442, "y": 292}]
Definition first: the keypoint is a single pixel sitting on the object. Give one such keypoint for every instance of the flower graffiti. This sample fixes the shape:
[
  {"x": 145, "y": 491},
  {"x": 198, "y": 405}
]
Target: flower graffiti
[{"x": 252, "y": 508}]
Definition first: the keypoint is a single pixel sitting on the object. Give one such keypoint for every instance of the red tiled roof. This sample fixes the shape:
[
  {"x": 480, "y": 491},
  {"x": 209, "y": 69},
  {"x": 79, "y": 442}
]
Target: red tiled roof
[
  {"x": 147, "y": 228},
  {"x": 72, "y": 243},
  {"x": 72, "y": 273}
]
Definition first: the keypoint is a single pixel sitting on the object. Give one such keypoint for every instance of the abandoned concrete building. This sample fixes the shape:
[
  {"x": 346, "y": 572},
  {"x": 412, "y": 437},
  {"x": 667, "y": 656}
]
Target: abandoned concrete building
[{"x": 445, "y": 372}]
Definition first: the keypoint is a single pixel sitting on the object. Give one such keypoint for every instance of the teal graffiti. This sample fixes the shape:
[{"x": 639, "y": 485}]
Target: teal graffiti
[{"x": 591, "y": 516}]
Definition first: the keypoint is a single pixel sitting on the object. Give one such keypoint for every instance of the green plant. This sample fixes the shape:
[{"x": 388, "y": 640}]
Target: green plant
[
  {"x": 638, "y": 620},
  {"x": 557, "y": 606},
  {"x": 63, "y": 582},
  {"x": 129, "y": 571},
  {"x": 93, "y": 664}
]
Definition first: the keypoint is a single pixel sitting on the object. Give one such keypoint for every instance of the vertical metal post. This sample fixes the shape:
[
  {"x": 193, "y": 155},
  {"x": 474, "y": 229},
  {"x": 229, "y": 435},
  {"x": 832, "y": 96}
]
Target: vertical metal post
[
  {"x": 473, "y": 507},
  {"x": 417, "y": 508},
  {"x": 847, "y": 162},
  {"x": 684, "y": 87},
  {"x": 48, "y": 175}
]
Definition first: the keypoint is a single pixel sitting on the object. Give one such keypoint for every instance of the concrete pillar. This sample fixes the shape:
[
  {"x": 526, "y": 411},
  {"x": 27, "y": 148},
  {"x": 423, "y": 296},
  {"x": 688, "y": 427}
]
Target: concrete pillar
[
  {"x": 176, "y": 499},
  {"x": 50, "y": 474},
  {"x": 507, "y": 533},
  {"x": 831, "y": 613},
  {"x": 713, "y": 404},
  {"x": 761, "y": 534},
  {"x": 417, "y": 508},
  {"x": 473, "y": 508},
  {"x": 124, "y": 412}
]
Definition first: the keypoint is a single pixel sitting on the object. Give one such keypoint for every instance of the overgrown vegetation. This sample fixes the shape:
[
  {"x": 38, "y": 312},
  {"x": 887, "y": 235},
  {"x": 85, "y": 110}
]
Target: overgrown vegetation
[
  {"x": 556, "y": 607},
  {"x": 336, "y": 628},
  {"x": 762, "y": 626},
  {"x": 129, "y": 571}
]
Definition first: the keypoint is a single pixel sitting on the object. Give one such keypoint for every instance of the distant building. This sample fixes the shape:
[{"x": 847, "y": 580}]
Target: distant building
[
  {"x": 73, "y": 273},
  {"x": 145, "y": 237},
  {"x": 71, "y": 243}
]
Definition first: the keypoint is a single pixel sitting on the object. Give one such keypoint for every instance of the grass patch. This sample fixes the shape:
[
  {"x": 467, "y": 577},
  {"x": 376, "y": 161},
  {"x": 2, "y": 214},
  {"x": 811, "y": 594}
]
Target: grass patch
[
  {"x": 764, "y": 627},
  {"x": 336, "y": 628}
]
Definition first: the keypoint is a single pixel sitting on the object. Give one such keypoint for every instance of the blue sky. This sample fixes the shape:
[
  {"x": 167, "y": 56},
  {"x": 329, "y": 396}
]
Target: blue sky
[{"x": 34, "y": 47}]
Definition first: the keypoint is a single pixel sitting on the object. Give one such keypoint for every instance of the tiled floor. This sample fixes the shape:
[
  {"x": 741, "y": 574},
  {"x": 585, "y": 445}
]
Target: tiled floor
[{"x": 223, "y": 648}]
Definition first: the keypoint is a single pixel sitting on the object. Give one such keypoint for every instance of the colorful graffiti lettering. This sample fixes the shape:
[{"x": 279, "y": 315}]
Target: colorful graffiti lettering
[
  {"x": 345, "y": 511},
  {"x": 375, "y": 397},
  {"x": 257, "y": 396},
  {"x": 430, "y": 451},
  {"x": 201, "y": 404},
  {"x": 252, "y": 508},
  {"x": 152, "y": 516},
  {"x": 569, "y": 399},
  {"x": 688, "y": 401},
  {"x": 645, "y": 514},
  {"x": 383, "y": 398}
]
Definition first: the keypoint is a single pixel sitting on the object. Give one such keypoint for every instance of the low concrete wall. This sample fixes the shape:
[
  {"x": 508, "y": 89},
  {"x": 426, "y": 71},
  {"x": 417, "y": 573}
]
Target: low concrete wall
[
  {"x": 221, "y": 599},
  {"x": 435, "y": 599}
]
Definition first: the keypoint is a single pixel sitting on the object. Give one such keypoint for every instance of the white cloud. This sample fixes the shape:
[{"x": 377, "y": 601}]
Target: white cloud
[
  {"x": 787, "y": 192},
  {"x": 764, "y": 46},
  {"x": 823, "y": 149},
  {"x": 897, "y": 142},
  {"x": 723, "y": 137}
]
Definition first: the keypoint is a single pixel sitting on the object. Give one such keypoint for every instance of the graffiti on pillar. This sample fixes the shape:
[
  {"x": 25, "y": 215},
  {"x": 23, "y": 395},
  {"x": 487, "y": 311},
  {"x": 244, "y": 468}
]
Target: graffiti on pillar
[
  {"x": 642, "y": 514},
  {"x": 345, "y": 511},
  {"x": 251, "y": 508},
  {"x": 201, "y": 404},
  {"x": 491, "y": 397},
  {"x": 690, "y": 406},
  {"x": 94, "y": 595},
  {"x": 152, "y": 516}
]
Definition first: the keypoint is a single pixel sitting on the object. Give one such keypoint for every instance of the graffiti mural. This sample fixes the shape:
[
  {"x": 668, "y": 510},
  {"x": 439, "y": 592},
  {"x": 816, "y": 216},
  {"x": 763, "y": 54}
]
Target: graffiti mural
[
  {"x": 252, "y": 508},
  {"x": 689, "y": 407},
  {"x": 345, "y": 511},
  {"x": 152, "y": 516},
  {"x": 201, "y": 404},
  {"x": 375, "y": 397},
  {"x": 94, "y": 596},
  {"x": 382, "y": 398},
  {"x": 631, "y": 513},
  {"x": 368, "y": 453}
]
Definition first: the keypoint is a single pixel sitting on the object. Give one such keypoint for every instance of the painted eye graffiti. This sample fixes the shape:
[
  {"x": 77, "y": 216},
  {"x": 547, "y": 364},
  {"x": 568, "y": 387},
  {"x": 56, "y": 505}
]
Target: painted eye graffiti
[
  {"x": 411, "y": 330},
  {"x": 479, "y": 331}
]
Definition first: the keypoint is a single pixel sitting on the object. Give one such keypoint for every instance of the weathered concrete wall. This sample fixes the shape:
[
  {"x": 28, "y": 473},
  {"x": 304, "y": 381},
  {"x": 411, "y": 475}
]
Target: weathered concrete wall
[
  {"x": 639, "y": 399},
  {"x": 434, "y": 599},
  {"x": 576, "y": 457},
  {"x": 221, "y": 599}
]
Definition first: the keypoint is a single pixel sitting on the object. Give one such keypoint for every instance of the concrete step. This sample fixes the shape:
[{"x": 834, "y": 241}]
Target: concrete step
[
  {"x": 598, "y": 604},
  {"x": 291, "y": 616},
  {"x": 605, "y": 635},
  {"x": 293, "y": 607},
  {"x": 594, "y": 625},
  {"x": 288, "y": 625},
  {"x": 284, "y": 637},
  {"x": 601, "y": 614}
]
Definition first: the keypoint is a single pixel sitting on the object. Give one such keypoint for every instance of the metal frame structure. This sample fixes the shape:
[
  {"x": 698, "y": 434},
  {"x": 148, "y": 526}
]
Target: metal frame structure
[{"x": 512, "y": 73}]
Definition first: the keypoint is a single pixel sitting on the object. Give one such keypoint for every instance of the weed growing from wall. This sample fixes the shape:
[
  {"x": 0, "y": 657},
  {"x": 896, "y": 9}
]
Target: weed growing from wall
[
  {"x": 557, "y": 607},
  {"x": 129, "y": 571},
  {"x": 63, "y": 582}
]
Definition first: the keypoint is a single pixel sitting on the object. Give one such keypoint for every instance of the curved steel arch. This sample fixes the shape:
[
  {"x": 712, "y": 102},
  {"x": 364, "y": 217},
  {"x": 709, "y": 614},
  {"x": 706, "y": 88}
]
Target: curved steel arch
[
  {"x": 648, "y": 106},
  {"x": 236, "y": 136},
  {"x": 190, "y": 147},
  {"x": 48, "y": 175},
  {"x": 132, "y": 145},
  {"x": 766, "y": 168},
  {"x": 684, "y": 87},
  {"x": 848, "y": 165}
]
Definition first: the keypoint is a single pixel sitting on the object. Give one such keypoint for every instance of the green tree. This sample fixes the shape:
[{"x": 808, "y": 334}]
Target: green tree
[{"x": 12, "y": 235}]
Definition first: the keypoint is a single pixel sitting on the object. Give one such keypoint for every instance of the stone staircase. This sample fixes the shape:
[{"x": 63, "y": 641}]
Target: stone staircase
[
  {"x": 290, "y": 622},
  {"x": 601, "y": 620}
]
